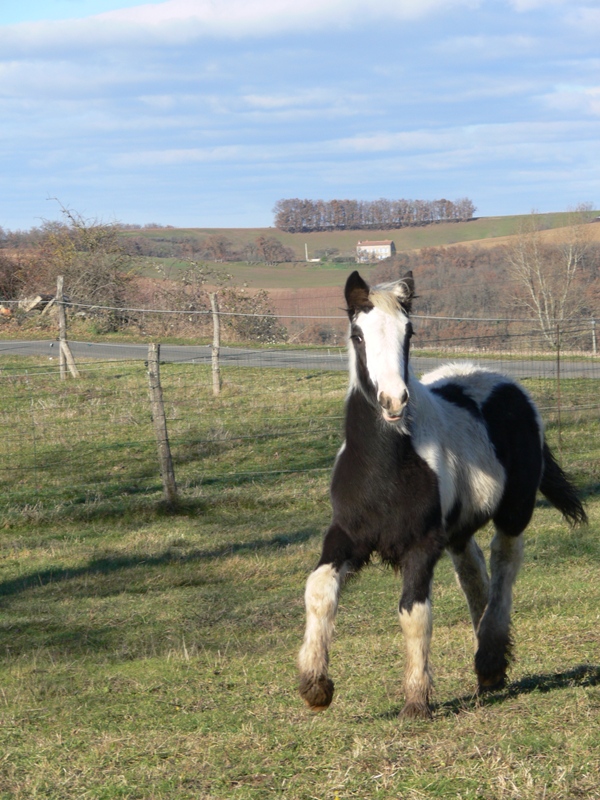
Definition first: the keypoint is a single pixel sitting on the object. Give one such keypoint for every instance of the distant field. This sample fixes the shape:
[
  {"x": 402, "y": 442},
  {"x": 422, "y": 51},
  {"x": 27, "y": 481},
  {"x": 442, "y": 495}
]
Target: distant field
[
  {"x": 297, "y": 275},
  {"x": 485, "y": 231}
]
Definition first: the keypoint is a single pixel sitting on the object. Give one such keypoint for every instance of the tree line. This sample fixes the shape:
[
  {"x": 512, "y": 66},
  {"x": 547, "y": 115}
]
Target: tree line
[
  {"x": 295, "y": 215},
  {"x": 214, "y": 247},
  {"x": 144, "y": 241}
]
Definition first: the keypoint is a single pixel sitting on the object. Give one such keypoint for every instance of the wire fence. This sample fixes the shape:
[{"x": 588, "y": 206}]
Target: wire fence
[
  {"x": 279, "y": 412},
  {"x": 301, "y": 316}
]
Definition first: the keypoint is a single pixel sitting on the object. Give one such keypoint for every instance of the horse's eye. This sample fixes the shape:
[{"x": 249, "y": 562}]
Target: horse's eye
[{"x": 356, "y": 338}]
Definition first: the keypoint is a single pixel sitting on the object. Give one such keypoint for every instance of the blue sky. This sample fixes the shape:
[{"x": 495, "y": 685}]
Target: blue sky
[{"x": 206, "y": 112}]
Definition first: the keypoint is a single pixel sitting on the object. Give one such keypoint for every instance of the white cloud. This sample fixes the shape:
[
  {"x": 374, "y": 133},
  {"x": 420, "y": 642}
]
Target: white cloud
[
  {"x": 158, "y": 102},
  {"x": 171, "y": 157},
  {"x": 583, "y": 15},
  {"x": 486, "y": 46},
  {"x": 432, "y": 149},
  {"x": 171, "y": 104},
  {"x": 276, "y": 102},
  {"x": 241, "y": 17},
  {"x": 465, "y": 146},
  {"x": 575, "y": 99},
  {"x": 533, "y": 5},
  {"x": 585, "y": 19},
  {"x": 310, "y": 103},
  {"x": 68, "y": 37},
  {"x": 42, "y": 79},
  {"x": 405, "y": 141},
  {"x": 177, "y": 22}
]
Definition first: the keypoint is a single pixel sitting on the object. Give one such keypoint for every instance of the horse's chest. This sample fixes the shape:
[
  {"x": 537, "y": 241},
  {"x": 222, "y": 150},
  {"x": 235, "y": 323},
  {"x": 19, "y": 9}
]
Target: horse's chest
[{"x": 385, "y": 490}]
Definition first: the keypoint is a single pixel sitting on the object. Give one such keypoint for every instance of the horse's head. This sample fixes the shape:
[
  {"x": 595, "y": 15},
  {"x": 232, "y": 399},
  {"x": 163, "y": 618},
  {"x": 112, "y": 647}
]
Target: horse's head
[{"x": 380, "y": 331}]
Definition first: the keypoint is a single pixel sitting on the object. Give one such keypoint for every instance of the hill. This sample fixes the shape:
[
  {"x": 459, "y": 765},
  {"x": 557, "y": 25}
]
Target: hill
[
  {"x": 460, "y": 268},
  {"x": 485, "y": 232},
  {"x": 434, "y": 235}
]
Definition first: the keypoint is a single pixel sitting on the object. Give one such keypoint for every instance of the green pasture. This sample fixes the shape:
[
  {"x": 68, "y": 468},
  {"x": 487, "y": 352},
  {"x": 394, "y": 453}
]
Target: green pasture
[
  {"x": 149, "y": 652},
  {"x": 301, "y": 274},
  {"x": 296, "y": 275},
  {"x": 435, "y": 235}
]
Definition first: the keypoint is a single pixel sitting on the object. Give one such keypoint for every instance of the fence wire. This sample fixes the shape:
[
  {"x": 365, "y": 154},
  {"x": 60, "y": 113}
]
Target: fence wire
[{"x": 279, "y": 412}]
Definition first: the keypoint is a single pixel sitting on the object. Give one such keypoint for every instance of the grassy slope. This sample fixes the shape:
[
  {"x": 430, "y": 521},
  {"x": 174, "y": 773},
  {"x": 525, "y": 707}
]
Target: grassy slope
[
  {"x": 151, "y": 655},
  {"x": 345, "y": 241},
  {"x": 485, "y": 230}
]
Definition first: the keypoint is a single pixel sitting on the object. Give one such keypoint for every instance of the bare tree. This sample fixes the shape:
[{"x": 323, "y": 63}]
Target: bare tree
[
  {"x": 549, "y": 276},
  {"x": 93, "y": 261},
  {"x": 246, "y": 315},
  {"x": 12, "y": 278},
  {"x": 250, "y": 253},
  {"x": 217, "y": 247},
  {"x": 295, "y": 215},
  {"x": 250, "y": 317},
  {"x": 270, "y": 250}
]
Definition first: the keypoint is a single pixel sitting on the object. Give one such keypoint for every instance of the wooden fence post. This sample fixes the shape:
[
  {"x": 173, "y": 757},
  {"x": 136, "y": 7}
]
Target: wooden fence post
[
  {"x": 216, "y": 346},
  {"x": 558, "y": 394},
  {"x": 160, "y": 425},
  {"x": 65, "y": 356}
]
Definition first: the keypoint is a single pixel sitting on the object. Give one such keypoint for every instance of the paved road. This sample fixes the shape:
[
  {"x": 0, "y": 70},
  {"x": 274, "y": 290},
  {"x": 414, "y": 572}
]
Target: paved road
[{"x": 333, "y": 359}]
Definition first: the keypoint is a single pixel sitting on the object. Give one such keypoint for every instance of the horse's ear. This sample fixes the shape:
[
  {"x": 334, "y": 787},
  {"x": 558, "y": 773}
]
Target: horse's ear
[
  {"x": 356, "y": 293},
  {"x": 404, "y": 289}
]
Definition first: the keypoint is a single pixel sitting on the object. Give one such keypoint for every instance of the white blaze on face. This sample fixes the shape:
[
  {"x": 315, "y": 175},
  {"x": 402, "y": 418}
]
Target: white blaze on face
[{"x": 384, "y": 337}]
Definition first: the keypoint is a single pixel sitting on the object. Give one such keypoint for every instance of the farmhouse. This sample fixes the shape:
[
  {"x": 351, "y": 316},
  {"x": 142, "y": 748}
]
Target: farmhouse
[{"x": 374, "y": 251}]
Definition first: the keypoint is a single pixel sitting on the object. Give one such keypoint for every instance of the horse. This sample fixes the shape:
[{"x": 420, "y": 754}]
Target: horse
[{"x": 424, "y": 465}]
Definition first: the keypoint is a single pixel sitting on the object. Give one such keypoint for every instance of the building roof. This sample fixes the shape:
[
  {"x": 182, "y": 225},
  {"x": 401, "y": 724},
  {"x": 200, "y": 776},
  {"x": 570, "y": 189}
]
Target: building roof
[{"x": 371, "y": 244}]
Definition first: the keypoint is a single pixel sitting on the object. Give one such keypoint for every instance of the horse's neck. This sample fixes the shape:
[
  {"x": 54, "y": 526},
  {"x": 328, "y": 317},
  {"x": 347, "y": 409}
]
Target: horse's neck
[
  {"x": 367, "y": 434},
  {"x": 363, "y": 418},
  {"x": 422, "y": 404}
]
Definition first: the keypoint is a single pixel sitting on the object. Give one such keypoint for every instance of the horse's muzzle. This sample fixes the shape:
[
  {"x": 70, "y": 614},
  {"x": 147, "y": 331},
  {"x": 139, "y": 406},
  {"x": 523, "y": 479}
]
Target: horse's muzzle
[{"x": 393, "y": 407}]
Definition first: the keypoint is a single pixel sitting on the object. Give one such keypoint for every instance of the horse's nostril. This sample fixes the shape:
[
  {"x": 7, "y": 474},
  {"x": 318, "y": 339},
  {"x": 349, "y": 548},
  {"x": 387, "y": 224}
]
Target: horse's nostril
[
  {"x": 394, "y": 406},
  {"x": 385, "y": 401}
]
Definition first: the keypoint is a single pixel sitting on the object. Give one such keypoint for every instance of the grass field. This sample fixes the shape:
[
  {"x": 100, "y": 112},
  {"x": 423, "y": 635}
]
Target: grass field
[
  {"x": 297, "y": 275},
  {"x": 484, "y": 231},
  {"x": 443, "y": 233},
  {"x": 148, "y": 653}
]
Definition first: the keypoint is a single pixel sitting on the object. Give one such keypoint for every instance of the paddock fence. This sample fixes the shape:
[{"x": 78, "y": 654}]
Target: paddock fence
[{"x": 93, "y": 439}]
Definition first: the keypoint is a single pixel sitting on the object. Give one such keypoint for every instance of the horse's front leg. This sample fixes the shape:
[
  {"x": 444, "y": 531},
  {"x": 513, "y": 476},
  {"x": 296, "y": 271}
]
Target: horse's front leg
[
  {"x": 416, "y": 624},
  {"x": 321, "y": 598}
]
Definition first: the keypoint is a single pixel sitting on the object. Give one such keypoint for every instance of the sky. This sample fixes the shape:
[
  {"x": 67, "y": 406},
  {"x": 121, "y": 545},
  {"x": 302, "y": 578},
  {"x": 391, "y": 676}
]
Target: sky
[{"x": 204, "y": 113}]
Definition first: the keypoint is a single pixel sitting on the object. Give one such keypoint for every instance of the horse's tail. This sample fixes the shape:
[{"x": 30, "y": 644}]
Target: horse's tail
[{"x": 557, "y": 488}]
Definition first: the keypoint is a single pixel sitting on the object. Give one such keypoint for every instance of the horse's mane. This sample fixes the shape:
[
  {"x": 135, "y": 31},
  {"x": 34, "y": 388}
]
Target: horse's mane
[{"x": 385, "y": 300}]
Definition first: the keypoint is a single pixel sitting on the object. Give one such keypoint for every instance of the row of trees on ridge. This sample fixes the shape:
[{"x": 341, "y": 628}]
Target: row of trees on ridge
[{"x": 295, "y": 215}]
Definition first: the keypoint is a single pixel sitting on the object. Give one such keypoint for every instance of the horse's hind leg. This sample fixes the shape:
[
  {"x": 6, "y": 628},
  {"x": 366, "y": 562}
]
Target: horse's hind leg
[
  {"x": 494, "y": 650},
  {"x": 321, "y": 598},
  {"x": 471, "y": 572}
]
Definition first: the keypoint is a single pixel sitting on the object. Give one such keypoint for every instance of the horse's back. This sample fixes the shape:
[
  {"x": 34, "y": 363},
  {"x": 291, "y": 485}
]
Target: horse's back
[
  {"x": 497, "y": 397},
  {"x": 503, "y": 475},
  {"x": 478, "y": 382}
]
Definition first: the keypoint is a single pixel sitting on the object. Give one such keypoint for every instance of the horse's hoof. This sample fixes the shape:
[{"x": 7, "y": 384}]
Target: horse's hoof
[
  {"x": 491, "y": 683},
  {"x": 416, "y": 711},
  {"x": 317, "y": 693}
]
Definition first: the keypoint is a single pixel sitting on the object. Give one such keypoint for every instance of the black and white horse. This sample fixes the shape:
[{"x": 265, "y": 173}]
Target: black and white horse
[{"x": 424, "y": 465}]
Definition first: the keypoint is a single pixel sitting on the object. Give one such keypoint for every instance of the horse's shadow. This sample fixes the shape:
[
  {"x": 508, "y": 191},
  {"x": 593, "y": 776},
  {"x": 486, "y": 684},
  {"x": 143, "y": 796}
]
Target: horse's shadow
[
  {"x": 582, "y": 675},
  {"x": 114, "y": 563}
]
